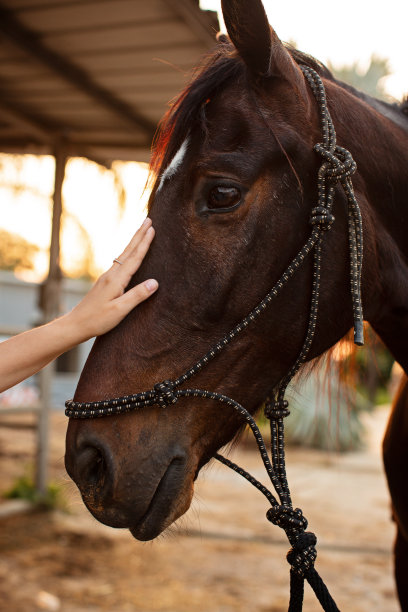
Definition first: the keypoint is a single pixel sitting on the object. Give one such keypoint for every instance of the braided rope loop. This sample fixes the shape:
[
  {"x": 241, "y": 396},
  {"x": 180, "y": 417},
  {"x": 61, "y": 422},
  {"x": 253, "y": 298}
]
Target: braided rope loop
[{"x": 338, "y": 166}]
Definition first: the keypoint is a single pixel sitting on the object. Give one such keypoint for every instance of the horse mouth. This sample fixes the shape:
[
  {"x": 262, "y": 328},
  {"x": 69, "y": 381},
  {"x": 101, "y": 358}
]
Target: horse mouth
[{"x": 168, "y": 503}]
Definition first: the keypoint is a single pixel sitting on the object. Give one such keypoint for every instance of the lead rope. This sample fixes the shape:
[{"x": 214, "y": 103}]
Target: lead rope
[{"x": 337, "y": 166}]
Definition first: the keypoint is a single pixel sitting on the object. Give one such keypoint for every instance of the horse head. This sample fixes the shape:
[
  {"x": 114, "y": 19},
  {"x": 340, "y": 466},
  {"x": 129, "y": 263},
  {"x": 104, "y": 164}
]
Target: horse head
[{"x": 231, "y": 204}]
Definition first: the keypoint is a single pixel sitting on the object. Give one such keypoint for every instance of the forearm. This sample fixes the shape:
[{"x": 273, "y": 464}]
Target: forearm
[{"x": 25, "y": 354}]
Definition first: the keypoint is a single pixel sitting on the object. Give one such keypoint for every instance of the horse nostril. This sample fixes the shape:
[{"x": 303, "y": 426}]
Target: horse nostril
[{"x": 92, "y": 469}]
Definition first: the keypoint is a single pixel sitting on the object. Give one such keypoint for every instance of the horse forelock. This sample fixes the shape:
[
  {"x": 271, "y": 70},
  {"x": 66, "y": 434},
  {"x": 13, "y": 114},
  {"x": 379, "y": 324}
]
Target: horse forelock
[{"x": 188, "y": 110}]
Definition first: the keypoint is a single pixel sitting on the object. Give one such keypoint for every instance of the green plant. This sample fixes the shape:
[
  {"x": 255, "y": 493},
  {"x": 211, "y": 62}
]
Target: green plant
[
  {"x": 24, "y": 488},
  {"x": 323, "y": 415}
]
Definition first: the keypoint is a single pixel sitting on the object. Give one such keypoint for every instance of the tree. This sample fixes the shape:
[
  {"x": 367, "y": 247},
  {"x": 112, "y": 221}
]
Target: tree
[
  {"x": 16, "y": 252},
  {"x": 369, "y": 81}
]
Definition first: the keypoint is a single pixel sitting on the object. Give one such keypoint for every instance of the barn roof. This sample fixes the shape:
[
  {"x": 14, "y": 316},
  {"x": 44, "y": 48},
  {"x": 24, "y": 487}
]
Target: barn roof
[{"x": 96, "y": 74}]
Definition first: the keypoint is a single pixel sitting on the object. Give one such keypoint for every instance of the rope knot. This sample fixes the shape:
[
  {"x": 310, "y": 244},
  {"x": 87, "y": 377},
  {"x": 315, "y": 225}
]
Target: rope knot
[
  {"x": 338, "y": 162},
  {"x": 276, "y": 410},
  {"x": 321, "y": 217},
  {"x": 289, "y": 519},
  {"x": 164, "y": 393},
  {"x": 302, "y": 555}
]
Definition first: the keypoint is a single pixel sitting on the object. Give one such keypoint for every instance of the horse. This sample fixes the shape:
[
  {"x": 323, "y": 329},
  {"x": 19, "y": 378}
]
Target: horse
[
  {"x": 395, "y": 453},
  {"x": 235, "y": 182}
]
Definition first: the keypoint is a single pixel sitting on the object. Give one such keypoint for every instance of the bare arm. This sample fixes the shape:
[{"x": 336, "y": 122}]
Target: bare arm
[{"x": 101, "y": 309}]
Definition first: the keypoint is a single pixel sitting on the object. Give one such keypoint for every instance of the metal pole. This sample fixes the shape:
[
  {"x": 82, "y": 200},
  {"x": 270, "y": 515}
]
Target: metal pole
[{"x": 50, "y": 305}]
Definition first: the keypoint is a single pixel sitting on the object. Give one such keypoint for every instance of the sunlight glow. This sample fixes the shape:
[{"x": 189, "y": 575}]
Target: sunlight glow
[
  {"x": 344, "y": 33},
  {"x": 95, "y": 228}
]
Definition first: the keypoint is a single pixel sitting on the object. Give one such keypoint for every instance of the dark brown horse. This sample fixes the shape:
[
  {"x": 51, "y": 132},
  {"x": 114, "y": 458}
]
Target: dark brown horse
[{"x": 236, "y": 183}]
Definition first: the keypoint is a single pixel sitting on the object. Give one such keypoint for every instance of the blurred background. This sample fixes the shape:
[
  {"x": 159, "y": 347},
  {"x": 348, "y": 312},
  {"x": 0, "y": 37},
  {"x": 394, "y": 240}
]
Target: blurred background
[{"x": 84, "y": 84}]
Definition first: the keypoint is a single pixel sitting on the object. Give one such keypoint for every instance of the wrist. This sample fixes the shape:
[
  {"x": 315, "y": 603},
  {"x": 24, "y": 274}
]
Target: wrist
[{"x": 71, "y": 330}]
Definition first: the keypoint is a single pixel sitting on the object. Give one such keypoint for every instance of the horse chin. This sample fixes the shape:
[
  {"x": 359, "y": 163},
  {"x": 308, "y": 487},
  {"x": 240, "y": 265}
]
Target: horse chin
[
  {"x": 157, "y": 519},
  {"x": 171, "y": 500}
]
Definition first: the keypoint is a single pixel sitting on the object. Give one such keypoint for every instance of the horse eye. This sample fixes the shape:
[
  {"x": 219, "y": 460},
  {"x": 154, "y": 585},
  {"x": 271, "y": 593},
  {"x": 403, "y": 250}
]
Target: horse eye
[{"x": 223, "y": 197}]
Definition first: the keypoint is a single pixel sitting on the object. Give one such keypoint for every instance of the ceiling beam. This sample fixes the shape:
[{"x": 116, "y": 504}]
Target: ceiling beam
[
  {"x": 31, "y": 43},
  {"x": 37, "y": 128}
]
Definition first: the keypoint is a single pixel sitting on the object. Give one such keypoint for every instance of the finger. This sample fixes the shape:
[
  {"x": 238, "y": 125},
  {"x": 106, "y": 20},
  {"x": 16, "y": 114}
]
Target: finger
[
  {"x": 137, "y": 238},
  {"x": 130, "y": 260},
  {"x": 138, "y": 294},
  {"x": 135, "y": 257}
]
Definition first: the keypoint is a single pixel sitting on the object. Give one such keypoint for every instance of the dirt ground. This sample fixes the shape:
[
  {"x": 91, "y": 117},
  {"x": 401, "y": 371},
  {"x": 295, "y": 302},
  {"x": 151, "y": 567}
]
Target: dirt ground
[{"x": 223, "y": 556}]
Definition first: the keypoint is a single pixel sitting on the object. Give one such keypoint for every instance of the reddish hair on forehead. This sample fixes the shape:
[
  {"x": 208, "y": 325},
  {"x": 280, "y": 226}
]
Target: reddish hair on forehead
[{"x": 186, "y": 111}]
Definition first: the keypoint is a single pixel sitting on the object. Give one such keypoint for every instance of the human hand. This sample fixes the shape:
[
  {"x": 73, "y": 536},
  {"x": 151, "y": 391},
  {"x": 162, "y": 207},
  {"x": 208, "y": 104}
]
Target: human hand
[{"x": 107, "y": 304}]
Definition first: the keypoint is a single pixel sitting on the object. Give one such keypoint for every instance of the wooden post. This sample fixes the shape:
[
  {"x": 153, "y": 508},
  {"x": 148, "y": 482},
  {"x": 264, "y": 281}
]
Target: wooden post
[{"x": 50, "y": 305}]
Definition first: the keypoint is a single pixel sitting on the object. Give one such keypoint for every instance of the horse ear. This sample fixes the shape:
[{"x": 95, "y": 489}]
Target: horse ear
[
  {"x": 248, "y": 28},
  {"x": 256, "y": 42}
]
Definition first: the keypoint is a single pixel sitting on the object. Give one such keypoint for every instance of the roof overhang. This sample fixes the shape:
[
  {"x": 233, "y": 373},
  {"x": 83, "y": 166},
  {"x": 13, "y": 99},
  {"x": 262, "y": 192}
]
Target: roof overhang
[{"x": 94, "y": 74}]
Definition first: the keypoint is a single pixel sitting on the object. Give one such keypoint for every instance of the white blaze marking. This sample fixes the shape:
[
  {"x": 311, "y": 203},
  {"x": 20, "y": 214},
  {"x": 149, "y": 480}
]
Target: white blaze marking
[{"x": 174, "y": 164}]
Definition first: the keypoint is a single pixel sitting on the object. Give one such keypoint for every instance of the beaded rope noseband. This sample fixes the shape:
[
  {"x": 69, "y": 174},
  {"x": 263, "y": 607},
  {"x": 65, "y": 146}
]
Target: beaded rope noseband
[{"x": 337, "y": 167}]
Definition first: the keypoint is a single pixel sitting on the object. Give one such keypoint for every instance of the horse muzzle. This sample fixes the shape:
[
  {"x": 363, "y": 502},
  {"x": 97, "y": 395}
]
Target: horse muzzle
[{"x": 142, "y": 492}]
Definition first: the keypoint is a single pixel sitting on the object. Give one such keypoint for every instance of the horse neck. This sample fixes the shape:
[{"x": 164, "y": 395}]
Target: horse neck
[
  {"x": 380, "y": 148},
  {"x": 377, "y": 136}
]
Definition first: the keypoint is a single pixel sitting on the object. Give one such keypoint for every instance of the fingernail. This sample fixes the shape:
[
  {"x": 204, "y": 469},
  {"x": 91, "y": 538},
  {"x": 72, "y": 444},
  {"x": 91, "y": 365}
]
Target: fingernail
[
  {"x": 147, "y": 221},
  {"x": 151, "y": 284}
]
